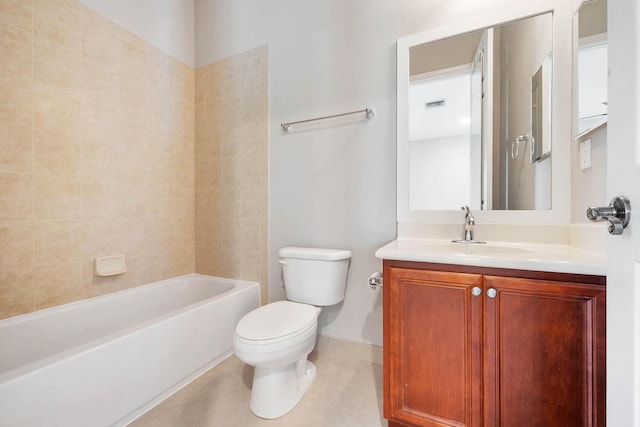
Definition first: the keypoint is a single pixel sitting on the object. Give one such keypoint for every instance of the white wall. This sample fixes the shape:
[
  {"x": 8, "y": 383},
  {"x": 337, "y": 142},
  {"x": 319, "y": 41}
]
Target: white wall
[
  {"x": 589, "y": 186},
  {"x": 334, "y": 186},
  {"x": 166, "y": 24}
]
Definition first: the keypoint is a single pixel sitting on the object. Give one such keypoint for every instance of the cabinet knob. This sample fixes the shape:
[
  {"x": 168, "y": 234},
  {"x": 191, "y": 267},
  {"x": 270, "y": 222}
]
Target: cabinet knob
[
  {"x": 476, "y": 291},
  {"x": 491, "y": 293}
]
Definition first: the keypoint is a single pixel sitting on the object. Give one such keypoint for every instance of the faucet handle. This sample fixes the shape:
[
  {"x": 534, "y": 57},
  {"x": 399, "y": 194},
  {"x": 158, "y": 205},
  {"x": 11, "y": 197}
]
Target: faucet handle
[
  {"x": 468, "y": 218},
  {"x": 469, "y": 223}
]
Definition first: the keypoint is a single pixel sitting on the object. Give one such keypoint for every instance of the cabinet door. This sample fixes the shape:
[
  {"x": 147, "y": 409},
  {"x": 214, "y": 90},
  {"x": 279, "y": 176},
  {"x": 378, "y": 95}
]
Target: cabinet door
[
  {"x": 435, "y": 331},
  {"x": 544, "y": 353}
]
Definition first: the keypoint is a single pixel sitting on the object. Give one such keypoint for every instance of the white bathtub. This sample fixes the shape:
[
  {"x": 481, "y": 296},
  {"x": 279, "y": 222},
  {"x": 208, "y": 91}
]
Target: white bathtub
[{"x": 107, "y": 360}]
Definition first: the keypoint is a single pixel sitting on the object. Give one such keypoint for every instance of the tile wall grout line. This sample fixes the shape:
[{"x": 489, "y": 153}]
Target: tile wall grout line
[
  {"x": 82, "y": 173},
  {"x": 33, "y": 192}
]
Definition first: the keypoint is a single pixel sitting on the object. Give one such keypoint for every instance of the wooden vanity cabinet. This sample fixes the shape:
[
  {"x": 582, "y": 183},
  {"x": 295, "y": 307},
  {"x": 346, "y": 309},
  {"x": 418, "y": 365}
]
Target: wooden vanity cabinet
[{"x": 456, "y": 354}]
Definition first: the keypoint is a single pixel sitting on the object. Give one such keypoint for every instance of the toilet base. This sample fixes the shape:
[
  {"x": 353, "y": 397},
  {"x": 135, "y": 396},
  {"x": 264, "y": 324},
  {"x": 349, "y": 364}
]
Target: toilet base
[{"x": 276, "y": 391}]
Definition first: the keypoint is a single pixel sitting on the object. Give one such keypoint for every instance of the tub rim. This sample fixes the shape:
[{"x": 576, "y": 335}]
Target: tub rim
[{"x": 240, "y": 286}]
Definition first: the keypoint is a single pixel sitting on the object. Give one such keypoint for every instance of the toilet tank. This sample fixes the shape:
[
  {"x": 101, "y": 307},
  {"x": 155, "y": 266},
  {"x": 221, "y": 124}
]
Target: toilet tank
[{"x": 313, "y": 275}]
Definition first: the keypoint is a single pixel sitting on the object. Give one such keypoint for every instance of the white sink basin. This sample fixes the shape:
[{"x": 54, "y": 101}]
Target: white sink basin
[
  {"x": 475, "y": 249},
  {"x": 520, "y": 256}
]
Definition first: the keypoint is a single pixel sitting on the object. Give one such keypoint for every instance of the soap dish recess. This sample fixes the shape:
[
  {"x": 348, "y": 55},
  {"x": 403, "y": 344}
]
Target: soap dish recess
[{"x": 110, "y": 265}]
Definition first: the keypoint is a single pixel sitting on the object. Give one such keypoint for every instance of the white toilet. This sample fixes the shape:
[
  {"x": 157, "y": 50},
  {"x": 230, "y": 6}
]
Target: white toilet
[{"x": 277, "y": 338}]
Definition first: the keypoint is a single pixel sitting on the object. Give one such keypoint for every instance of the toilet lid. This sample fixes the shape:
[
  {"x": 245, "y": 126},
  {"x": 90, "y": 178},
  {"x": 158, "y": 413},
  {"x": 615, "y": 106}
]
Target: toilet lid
[{"x": 276, "y": 320}]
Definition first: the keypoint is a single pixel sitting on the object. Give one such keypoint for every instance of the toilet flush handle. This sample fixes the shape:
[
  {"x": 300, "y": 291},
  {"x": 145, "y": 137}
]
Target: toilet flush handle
[{"x": 283, "y": 262}]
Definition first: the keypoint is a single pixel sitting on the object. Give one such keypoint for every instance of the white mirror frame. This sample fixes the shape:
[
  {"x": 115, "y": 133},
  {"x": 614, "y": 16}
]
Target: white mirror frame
[{"x": 561, "y": 115}]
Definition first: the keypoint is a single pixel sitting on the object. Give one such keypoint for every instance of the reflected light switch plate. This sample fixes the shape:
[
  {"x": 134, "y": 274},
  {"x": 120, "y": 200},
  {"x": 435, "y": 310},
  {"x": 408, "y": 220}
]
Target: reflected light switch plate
[{"x": 585, "y": 154}]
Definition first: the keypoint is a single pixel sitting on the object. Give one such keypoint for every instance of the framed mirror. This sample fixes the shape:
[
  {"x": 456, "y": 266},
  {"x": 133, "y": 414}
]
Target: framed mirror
[
  {"x": 477, "y": 118},
  {"x": 479, "y": 115}
]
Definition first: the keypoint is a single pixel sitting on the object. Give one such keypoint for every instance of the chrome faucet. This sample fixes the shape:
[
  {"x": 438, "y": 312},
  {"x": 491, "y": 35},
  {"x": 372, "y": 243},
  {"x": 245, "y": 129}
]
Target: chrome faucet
[{"x": 469, "y": 223}]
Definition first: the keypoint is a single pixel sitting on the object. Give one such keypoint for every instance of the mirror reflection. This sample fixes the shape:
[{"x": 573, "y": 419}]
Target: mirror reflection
[
  {"x": 592, "y": 67},
  {"x": 480, "y": 119}
]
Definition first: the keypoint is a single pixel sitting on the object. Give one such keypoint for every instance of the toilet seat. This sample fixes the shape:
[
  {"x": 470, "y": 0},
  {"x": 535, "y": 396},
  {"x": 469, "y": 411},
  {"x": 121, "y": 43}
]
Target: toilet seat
[{"x": 276, "y": 322}]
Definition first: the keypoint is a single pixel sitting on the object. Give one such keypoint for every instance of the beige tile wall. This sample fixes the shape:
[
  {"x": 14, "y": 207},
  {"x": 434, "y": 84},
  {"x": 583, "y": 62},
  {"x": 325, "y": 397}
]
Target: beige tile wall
[
  {"x": 231, "y": 167},
  {"x": 96, "y": 156}
]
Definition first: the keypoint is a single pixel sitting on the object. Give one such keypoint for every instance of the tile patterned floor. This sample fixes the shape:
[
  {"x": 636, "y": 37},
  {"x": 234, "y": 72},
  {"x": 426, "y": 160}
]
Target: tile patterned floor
[{"x": 346, "y": 392}]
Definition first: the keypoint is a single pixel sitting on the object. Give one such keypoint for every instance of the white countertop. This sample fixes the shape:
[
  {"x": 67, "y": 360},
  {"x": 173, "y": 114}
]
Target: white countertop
[{"x": 521, "y": 256}]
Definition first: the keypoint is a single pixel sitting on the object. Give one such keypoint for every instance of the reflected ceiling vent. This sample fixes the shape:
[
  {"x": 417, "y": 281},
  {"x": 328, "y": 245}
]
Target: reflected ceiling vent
[{"x": 434, "y": 104}]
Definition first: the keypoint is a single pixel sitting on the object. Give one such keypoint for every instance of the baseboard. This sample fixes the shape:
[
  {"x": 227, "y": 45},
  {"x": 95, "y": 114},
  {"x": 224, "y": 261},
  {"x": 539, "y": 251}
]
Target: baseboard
[{"x": 356, "y": 350}]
